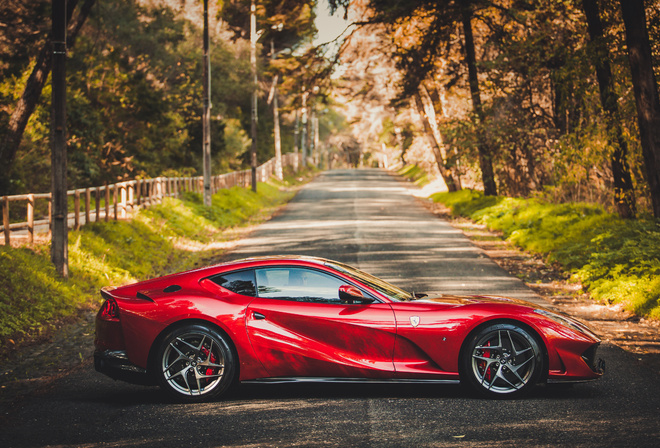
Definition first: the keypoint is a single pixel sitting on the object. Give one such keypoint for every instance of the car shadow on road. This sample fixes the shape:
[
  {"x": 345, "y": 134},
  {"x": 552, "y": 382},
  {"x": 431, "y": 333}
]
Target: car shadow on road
[{"x": 131, "y": 396}]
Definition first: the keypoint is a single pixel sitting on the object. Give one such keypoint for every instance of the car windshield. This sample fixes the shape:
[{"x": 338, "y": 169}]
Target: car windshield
[{"x": 387, "y": 289}]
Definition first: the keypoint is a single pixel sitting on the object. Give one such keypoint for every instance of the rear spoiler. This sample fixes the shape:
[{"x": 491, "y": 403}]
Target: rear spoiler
[
  {"x": 107, "y": 295},
  {"x": 105, "y": 292}
]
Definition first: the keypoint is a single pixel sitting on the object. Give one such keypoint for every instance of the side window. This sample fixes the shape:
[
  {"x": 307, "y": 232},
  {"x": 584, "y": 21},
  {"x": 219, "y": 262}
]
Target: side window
[
  {"x": 298, "y": 284},
  {"x": 240, "y": 282}
]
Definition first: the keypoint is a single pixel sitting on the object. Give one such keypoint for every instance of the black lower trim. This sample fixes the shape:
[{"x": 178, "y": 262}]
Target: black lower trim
[
  {"x": 596, "y": 364},
  {"x": 280, "y": 380},
  {"x": 115, "y": 364}
]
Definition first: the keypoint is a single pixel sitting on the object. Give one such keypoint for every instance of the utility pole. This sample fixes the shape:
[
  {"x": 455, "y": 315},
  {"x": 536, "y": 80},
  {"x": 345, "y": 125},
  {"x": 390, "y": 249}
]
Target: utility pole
[
  {"x": 276, "y": 118},
  {"x": 206, "y": 114},
  {"x": 315, "y": 130},
  {"x": 296, "y": 133},
  {"x": 253, "y": 65},
  {"x": 59, "y": 251},
  {"x": 303, "y": 140},
  {"x": 312, "y": 136}
]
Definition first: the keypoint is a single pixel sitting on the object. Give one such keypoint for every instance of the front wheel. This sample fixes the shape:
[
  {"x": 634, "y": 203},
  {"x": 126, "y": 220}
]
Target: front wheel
[
  {"x": 502, "y": 360},
  {"x": 195, "y": 363}
]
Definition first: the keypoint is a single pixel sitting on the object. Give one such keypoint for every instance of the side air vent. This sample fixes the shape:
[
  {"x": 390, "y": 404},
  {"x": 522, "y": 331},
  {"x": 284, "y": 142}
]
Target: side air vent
[
  {"x": 143, "y": 296},
  {"x": 172, "y": 288}
]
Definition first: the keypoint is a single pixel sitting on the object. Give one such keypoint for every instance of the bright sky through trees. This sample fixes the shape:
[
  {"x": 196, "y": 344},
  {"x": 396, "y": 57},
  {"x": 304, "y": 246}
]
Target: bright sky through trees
[{"x": 329, "y": 26}]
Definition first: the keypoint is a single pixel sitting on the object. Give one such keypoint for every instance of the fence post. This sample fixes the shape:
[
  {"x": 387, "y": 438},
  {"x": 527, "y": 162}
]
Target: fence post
[
  {"x": 107, "y": 203},
  {"x": 158, "y": 184},
  {"x": 115, "y": 202},
  {"x": 50, "y": 214},
  {"x": 76, "y": 210},
  {"x": 122, "y": 203},
  {"x": 30, "y": 217},
  {"x": 130, "y": 190},
  {"x": 97, "y": 199},
  {"x": 138, "y": 192},
  {"x": 5, "y": 218},
  {"x": 88, "y": 201}
]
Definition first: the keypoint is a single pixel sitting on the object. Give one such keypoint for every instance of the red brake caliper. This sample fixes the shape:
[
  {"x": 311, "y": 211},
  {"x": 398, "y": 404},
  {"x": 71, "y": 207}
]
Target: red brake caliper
[{"x": 209, "y": 370}]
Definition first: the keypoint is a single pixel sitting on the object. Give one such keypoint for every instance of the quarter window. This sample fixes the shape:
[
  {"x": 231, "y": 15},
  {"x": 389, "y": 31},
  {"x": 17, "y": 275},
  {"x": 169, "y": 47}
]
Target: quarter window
[{"x": 240, "y": 282}]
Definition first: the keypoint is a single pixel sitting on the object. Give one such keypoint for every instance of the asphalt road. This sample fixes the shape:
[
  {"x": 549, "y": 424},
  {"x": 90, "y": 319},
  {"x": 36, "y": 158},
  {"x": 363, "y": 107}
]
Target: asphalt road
[{"x": 368, "y": 219}]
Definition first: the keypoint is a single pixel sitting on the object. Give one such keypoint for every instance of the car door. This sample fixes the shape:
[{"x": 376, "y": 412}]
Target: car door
[{"x": 298, "y": 327}]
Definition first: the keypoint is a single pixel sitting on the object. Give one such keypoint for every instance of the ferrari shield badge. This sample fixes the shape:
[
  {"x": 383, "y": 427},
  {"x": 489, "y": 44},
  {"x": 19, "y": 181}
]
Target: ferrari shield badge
[{"x": 414, "y": 321}]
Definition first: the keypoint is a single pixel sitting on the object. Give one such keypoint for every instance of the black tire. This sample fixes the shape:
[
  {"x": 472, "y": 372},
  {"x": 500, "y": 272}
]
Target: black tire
[
  {"x": 195, "y": 363},
  {"x": 502, "y": 361}
]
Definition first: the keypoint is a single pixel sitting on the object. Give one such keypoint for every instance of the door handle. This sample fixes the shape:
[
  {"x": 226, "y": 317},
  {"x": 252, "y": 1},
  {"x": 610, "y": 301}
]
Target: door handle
[{"x": 258, "y": 316}]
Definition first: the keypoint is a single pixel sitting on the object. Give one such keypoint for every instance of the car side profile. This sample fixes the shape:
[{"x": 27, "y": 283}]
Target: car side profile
[{"x": 277, "y": 319}]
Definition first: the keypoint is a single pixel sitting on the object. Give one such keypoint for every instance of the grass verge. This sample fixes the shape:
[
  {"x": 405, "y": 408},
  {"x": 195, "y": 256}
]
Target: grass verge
[
  {"x": 616, "y": 260},
  {"x": 176, "y": 235},
  {"x": 415, "y": 174}
]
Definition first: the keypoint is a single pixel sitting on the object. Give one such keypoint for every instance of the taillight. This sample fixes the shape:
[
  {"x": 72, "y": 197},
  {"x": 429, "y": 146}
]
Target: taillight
[{"x": 109, "y": 310}]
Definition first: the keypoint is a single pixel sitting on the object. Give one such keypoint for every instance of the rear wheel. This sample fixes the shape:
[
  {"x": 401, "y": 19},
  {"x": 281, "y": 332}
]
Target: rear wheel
[
  {"x": 502, "y": 360},
  {"x": 195, "y": 363}
]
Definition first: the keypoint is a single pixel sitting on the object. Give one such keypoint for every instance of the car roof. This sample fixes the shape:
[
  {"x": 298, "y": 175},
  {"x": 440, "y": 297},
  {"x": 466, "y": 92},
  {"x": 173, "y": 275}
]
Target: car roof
[
  {"x": 277, "y": 258},
  {"x": 206, "y": 271},
  {"x": 260, "y": 261}
]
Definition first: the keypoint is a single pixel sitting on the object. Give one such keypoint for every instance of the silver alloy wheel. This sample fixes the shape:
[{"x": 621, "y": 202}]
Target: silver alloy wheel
[
  {"x": 193, "y": 363},
  {"x": 504, "y": 360}
]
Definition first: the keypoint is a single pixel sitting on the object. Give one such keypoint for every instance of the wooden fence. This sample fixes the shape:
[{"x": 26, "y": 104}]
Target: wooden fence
[{"x": 117, "y": 200}]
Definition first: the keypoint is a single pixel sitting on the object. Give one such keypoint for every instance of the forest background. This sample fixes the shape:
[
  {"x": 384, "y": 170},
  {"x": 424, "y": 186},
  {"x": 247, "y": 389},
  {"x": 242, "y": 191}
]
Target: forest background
[
  {"x": 134, "y": 80},
  {"x": 516, "y": 97}
]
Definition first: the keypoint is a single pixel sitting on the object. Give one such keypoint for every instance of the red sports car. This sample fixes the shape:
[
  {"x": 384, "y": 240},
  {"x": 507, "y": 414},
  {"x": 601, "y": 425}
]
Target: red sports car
[{"x": 282, "y": 319}]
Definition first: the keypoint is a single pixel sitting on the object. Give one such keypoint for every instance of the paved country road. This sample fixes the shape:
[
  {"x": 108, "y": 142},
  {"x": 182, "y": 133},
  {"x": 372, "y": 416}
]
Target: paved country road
[{"x": 368, "y": 219}]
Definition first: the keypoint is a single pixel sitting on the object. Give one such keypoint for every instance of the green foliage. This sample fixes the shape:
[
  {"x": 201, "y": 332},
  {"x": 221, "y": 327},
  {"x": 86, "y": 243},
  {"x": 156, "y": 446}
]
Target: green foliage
[
  {"x": 166, "y": 238},
  {"x": 189, "y": 218},
  {"x": 31, "y": 293},
  {"x": 415, "y": 174},
  {"x": 134, "y": 83},
  {"x": 617, "y": 260}
]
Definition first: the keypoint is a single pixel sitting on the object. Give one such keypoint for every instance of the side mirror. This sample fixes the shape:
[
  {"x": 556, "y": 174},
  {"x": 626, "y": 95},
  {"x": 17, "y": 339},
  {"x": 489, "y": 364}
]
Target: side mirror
[{"x": 348, "y": 294}]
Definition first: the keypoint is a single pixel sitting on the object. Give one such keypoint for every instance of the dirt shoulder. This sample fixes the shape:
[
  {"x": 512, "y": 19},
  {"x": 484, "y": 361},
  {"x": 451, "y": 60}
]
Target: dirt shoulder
[{"x": 613, "y": 324}]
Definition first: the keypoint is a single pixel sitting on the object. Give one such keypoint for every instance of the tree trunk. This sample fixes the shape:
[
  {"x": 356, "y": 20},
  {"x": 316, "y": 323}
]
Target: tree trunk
[
  {"x": 624, "y": 194},
  {"x": 485, "y": 157},
  {"x": 646, "y": 93},
  {"x": 32, "y": 92},
  {"x": 206, "y": 109},
  {"x": 436, "y": 106},
  {"x": 435, "y": 146}
]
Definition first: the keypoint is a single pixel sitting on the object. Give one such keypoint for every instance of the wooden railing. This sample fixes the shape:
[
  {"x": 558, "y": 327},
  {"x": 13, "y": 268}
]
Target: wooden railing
[{"x": 117, "y": 200}]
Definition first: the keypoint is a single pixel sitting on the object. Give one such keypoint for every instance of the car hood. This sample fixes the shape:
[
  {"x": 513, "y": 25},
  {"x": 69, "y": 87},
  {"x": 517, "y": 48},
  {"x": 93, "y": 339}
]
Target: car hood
[{"x": 449, "y": 299}]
